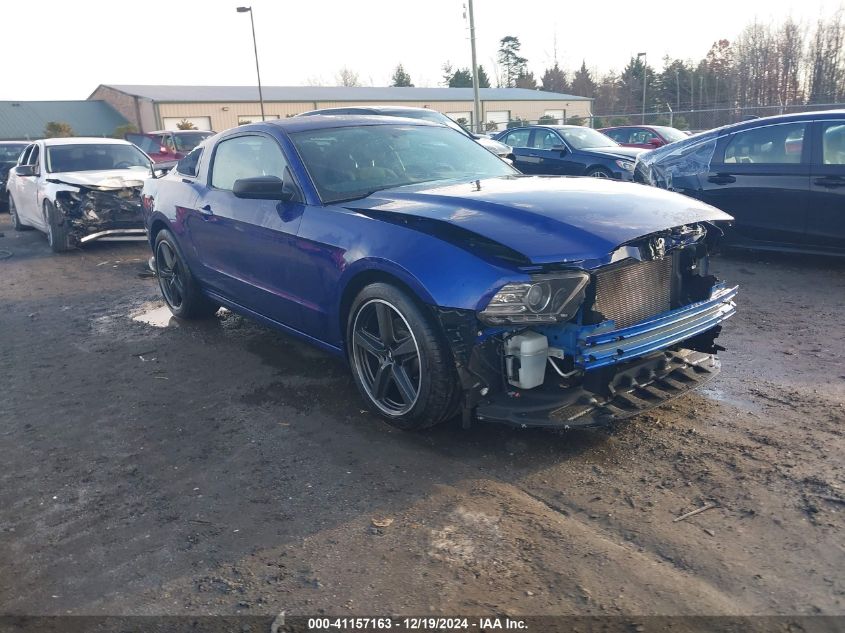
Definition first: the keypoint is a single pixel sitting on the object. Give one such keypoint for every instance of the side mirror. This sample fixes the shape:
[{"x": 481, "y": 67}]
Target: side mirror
[
  {"x": 655, "y": 142},
  {"x": 559, "y": 148},
  {"x": 25, "y": 170},
  {"x": 262, "y": 188}
]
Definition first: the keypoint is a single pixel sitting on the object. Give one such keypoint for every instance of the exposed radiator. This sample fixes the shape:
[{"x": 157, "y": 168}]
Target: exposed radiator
[{"x": 633, "y": 292}]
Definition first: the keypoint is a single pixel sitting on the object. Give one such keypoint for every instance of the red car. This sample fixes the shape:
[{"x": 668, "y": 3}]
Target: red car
[
  {"x": 644, "y": 136},
  {"x": 167, "y": 147}
]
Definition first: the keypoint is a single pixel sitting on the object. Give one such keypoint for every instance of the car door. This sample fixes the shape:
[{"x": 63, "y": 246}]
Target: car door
[
  {"x": 826, "y": 211},
  {"x": 26, "y": 194},
  {"x": 246, "y": 248},
  {"x": 13, "y": 183},
  {"x": 552, "y": 155},
  {"x": 761, "y": 176},
  {"x": 518, "y": 140}
]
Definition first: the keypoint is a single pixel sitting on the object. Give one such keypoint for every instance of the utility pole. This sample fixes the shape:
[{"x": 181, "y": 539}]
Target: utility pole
[
  {"x": 475, "y": 97},
  {"x": 678, "y": 90},
  {"x": 255, "y": 48},
  {"x": 645, "y": 73}
]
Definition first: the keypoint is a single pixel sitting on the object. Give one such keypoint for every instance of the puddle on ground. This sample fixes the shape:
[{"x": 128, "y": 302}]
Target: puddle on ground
[
  {"x": 157, "y": 317},
  {"x": 720, "y": 395}
]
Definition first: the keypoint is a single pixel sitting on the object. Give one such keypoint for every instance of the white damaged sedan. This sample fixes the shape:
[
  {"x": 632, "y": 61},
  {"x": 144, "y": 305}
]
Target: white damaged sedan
[{"x": 79, "y": 189}]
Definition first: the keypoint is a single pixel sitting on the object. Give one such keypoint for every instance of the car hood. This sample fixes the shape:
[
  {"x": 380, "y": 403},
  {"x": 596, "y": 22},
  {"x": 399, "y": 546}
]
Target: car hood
[
  {"x": 614, "y": 152},
  {"x": 547, "y": 219},
  {"x": 497, "y": 147},
  {"x": 102, "y": 179}
]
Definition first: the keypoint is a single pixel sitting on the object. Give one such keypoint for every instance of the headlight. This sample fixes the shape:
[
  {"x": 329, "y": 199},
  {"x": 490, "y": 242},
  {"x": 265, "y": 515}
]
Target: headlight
[
  {"x": 627, "y": 165},
  {"x": 544, "y": 299}
]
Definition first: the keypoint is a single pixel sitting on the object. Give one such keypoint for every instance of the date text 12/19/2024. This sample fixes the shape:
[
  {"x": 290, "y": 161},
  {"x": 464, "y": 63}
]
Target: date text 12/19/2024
[{"x": 416, "y": 624}]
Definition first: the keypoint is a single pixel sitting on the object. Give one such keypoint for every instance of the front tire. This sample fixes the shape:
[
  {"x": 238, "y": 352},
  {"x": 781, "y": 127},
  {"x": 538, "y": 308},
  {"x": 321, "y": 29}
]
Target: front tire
[
  {"x": 598, "y": 172},
  {"x": 178, "y": 286},
  {"x": 400, "y": 361},
  {"x": 57, "y": 229}
]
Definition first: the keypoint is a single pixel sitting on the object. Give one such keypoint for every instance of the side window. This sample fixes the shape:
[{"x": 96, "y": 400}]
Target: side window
[
  {"x": 545, "y": 139},
  {"x": 620, "y": 136},
  {"x": 188, "y": 165},
  {"x": 246, "y": 157},
  {"x": 767, "y": 145},
  {"x": 833, "y": 143},
  {"x": 24, "y": 159},
  {"x": 519, "y": 138},
  {"x": 639, "y": 136},
  {"x": 33, "y": 157}
]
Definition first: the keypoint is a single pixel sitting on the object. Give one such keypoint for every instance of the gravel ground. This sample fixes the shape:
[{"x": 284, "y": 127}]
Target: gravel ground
[{"x": 225, "y": 468}]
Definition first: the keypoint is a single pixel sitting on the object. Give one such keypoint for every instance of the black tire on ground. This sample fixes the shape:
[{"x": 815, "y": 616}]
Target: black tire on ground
[
  {"x": 16, "y": 221},
  {"x": 57, "y": 228},
  {"x": 400, "y": 360},
  {"x": 598, "y": 172},
  {"x": 178, "y": 286}
]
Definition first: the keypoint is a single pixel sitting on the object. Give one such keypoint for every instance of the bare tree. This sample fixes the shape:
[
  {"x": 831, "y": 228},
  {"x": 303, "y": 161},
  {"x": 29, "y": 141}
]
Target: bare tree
[
  {"x": 347, "y": 77},
  {"x": 826, "y": 67}
]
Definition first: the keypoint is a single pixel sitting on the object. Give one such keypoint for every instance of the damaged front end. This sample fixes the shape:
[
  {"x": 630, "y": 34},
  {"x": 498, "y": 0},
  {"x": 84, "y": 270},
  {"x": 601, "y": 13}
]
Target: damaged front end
[
  {"x": 108, "y": 210},
  {"x": 574, "y": 348}
]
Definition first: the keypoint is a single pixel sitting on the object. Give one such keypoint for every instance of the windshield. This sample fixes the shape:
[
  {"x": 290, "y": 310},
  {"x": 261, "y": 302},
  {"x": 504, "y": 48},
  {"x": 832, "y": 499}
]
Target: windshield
[
  {"x": 671, "y": 134},
  {"x": 585, "y": 138},
  {"x": 149, "y": 143},
  {"x": 353, "y": 162},
  {"x": 429, "y": 115},
  {"x": 9, "y": 153},
  {"x": 94, "y": 157},
  {"x": 186, "y": 141}
]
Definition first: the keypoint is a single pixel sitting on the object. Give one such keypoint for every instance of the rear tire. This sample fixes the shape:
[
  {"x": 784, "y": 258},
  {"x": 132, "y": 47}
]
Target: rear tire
[
  {"x": 57, "y": 228},
  {"x": 400, "y": 360},
  {"x": 178, "y": 286},
  {"x": 16, "y": 221}
]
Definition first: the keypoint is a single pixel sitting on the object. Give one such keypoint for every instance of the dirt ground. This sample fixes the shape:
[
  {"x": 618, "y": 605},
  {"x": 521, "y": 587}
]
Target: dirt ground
[{"x": 226, "y": 468}]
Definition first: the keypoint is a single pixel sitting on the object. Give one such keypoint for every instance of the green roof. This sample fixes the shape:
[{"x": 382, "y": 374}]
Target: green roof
[{"x": 25, "y": 120}]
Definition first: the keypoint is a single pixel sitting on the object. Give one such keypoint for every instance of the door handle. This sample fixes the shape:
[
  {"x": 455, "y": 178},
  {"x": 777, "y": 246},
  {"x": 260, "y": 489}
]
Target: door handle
[
  {"x": 206, "y": 210},
  {"x": 721, "y": 179},
  {"x": 830, "y": 182}
]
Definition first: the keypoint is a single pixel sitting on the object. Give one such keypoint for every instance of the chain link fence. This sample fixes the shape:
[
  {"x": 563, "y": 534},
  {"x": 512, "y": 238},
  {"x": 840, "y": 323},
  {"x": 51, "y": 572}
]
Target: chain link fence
[
  {"x": 692, "y": 120},
  {"x": 700, "y": 120}
]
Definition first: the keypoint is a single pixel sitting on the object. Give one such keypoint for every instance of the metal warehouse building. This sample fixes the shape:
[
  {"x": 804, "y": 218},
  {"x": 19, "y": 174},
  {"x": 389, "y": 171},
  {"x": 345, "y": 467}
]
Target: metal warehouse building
[
  {"x": 222, "y": 107},
  {"x": 26, "y": 120}
]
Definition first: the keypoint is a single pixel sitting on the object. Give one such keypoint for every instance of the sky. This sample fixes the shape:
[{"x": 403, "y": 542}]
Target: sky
[{"x": 55, "y": 49}]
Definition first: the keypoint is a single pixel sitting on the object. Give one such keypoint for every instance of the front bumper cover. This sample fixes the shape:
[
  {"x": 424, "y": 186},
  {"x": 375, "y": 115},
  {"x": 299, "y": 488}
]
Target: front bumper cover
[{"x": 632, "y": 388}]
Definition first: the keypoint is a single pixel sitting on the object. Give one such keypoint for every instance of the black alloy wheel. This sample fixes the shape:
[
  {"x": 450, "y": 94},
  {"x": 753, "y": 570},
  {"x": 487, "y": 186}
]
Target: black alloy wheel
[
  {"x": 180, "y": 290},
  {"x": 387, "y": 357},
  {"x": 171, "y": 278}
]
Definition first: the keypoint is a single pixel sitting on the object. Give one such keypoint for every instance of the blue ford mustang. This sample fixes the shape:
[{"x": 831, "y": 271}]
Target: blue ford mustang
[{"x": 450, "y": 282}]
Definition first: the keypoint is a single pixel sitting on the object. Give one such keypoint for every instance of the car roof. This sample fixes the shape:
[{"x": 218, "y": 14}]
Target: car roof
[
  {"x": 329, "y": 121},
  {"x": 622, "y": 127},
  {"x": 84, "y": 140},
  {"x": 370, "y": 108},
  {"x": 781, "y": 118},
  {"x": 177, "y": 132}
]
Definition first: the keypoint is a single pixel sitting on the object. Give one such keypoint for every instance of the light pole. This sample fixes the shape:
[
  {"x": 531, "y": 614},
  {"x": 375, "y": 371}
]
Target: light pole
[
  {"x": 475, "y": 99},
  {"x": 645, "y": 73},
  {"x": 255, "y": 48}
]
